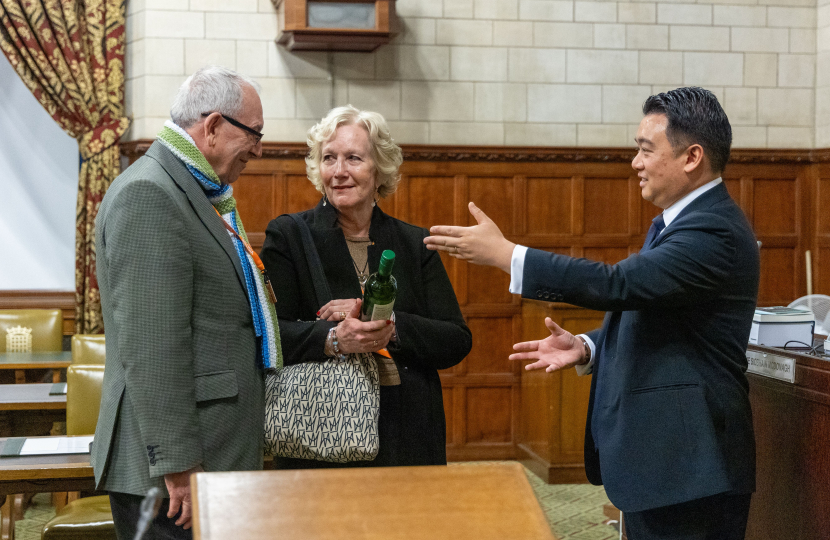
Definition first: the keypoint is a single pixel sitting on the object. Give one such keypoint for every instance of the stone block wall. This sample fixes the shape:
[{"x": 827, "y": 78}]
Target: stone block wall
[{"x": 507, "y": 72}]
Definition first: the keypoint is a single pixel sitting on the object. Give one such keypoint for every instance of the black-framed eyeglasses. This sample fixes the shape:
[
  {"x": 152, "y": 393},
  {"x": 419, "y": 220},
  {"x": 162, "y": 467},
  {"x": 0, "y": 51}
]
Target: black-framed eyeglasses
[{"x": 257, "y": 135}]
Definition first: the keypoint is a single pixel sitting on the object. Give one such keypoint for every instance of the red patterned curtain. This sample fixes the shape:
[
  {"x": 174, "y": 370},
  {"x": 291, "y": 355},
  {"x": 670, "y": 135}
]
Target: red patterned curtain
[{"x": 70, "y": 53}]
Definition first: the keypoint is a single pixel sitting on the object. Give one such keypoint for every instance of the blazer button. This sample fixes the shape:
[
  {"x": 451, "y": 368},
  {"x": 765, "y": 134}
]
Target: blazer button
[
  {"x": 538, "y": 294},
  {"x": 547, "y": 296}
]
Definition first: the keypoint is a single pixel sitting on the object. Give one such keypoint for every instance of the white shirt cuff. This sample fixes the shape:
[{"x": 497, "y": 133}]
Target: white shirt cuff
[
  {"x": 587, "y": 369},
  {"x": 517, "y": 267}
]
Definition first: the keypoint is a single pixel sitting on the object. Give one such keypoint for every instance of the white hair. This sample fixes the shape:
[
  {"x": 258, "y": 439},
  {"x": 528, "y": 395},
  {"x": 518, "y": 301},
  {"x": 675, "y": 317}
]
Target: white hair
[
  {"x": 210, "y": 89},
  {"x": 386, "y": 154}
]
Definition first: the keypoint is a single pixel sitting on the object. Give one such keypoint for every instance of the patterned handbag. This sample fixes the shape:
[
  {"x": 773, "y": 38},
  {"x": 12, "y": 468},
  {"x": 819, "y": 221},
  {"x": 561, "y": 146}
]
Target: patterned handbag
[{"x": 325, "y": 410}]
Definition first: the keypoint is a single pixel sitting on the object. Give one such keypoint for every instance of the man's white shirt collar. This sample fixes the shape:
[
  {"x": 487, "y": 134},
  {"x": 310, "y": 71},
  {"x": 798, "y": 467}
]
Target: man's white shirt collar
[{"x": 671, "y": 213}]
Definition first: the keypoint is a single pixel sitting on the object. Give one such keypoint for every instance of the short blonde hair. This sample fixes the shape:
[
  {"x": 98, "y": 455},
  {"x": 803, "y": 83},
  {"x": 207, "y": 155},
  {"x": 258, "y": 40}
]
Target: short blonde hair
[{"x": 386, "y": 154}]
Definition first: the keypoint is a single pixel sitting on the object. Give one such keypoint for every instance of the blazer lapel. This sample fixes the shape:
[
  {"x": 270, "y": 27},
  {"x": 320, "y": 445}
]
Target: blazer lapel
[
  {"x": 334, "y": 252},
  {"x": 713, "y": 196},
  {"x": 198, "y": 200}
]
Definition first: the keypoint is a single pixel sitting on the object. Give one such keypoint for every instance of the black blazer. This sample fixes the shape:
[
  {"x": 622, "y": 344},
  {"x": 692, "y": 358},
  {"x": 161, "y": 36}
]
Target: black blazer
[
  {"x": 669, "y": 419},
  {"x": 432, "y": 334}
]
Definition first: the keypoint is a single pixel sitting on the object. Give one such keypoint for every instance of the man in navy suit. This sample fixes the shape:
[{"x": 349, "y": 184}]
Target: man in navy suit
[{"x": 669, "y": 428}]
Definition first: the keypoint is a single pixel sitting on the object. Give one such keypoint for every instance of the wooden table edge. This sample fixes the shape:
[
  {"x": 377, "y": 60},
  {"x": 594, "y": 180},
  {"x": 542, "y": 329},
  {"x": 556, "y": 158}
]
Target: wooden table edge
[{"x": 33, "y": 405}]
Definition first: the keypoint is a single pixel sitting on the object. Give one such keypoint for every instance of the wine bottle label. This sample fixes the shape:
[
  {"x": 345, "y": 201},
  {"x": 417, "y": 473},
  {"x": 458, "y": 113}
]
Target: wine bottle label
[{"x": 382, "y": 312}]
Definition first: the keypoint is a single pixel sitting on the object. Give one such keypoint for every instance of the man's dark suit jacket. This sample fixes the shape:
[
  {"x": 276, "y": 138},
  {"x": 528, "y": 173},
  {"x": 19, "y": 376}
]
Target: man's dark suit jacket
[{"x": 669, "y": 419}]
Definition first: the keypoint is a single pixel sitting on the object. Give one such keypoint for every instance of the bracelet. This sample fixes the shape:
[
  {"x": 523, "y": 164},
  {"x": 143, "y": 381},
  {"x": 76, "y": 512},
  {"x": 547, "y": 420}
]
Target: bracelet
[
  {"x": 587, "y": 355},
  {"x": 336, "y": 345}
]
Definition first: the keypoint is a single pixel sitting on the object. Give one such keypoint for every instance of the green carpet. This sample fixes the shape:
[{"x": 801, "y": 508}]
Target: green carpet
[
  {"x": 574, "y": 511},
  {"x": 39, "y": 512}
]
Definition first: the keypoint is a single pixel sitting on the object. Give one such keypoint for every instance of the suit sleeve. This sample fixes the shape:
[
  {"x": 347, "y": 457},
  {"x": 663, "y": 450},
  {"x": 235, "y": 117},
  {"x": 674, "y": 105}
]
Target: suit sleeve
[
  {"x": 303, "y": 339},
  {"x": 151, "y": 282},
  {"x": 690, "y": 264},
  {"x": 438, "y": 338}
]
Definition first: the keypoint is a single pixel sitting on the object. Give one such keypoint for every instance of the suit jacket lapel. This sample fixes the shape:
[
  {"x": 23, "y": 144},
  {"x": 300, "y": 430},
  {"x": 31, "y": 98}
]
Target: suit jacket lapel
[
  {"x": 713, "y": 196},
  {"x": 198, "y": 200},
  {"x": 334, "y": 253}
]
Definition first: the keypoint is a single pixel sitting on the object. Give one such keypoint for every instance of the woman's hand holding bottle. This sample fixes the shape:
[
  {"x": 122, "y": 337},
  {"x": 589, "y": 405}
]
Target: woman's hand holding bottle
[{"x": 354, "y": 335}]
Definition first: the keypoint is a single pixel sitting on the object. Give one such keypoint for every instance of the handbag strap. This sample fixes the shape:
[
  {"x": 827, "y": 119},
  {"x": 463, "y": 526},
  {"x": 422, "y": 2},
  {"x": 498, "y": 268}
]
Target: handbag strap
[{"x": 318, "y": 278}]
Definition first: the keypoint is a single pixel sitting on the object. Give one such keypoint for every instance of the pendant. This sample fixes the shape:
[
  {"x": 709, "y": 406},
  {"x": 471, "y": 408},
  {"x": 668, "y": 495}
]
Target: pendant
[{"x": 363, "y": 280}]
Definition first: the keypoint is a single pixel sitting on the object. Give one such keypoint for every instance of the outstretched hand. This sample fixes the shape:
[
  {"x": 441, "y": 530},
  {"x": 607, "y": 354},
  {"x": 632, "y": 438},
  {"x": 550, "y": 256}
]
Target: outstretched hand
[
  {"x": 482, "y": 244},
  {"x": 559, "y": 350}
]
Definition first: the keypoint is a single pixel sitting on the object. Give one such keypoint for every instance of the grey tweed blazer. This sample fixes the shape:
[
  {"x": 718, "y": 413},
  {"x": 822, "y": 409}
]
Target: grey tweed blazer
[{"x": 182, "y": 385}]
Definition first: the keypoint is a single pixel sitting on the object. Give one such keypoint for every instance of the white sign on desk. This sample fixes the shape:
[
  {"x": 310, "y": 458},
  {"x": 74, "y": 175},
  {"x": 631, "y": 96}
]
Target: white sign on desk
[
  {"x": 771, "y": 365},
  {"x": 41, "y": 446}
]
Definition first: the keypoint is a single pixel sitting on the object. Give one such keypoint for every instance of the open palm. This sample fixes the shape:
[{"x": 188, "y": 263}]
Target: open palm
[{"x": 559, "y": 350}]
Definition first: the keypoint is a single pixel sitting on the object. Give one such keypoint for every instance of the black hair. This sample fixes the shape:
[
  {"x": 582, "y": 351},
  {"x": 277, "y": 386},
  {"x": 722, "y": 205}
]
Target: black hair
[{"x": 694, "y": 117}]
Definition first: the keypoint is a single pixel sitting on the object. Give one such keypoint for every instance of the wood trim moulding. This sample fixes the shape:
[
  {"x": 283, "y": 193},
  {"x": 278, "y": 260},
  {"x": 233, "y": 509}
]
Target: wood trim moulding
[
  {"x": 427, "y": 152},
  {"x": 22, "y": 299}
]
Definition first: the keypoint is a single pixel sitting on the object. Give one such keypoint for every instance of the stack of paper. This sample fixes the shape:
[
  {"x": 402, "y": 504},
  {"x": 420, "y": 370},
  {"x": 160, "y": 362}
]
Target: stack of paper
[{"x": 782, "y": 327}]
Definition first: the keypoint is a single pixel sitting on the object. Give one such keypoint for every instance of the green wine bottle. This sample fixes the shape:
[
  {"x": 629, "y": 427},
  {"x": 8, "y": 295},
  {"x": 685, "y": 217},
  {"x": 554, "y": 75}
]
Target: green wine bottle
[{"x": 380, "y": 290}]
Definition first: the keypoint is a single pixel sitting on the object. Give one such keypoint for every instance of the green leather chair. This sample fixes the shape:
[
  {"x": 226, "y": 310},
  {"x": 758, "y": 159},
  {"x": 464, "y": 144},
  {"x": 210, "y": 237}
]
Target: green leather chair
[
  {"x": 46, "y": 325},
  {"x": 88, "y": 349},
  {"x": 89, "y": 518}
]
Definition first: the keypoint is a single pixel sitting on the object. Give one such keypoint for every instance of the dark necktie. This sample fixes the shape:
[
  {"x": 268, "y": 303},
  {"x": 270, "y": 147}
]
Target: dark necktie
[{"x": 657, "y": 225}]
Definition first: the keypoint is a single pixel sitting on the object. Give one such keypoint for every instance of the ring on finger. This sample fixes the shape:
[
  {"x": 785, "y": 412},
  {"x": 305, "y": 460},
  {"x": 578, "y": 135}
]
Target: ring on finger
[
  {"x": 375, "y": 343},
  {"x": 342, "y": 315}
]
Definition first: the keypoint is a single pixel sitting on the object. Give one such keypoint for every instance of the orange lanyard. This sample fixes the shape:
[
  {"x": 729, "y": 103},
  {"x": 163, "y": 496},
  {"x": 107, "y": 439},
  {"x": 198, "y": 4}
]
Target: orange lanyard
[{"x": 253, "y": 255}]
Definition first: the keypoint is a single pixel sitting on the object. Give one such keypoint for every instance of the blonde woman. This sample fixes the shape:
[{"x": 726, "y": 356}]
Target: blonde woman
[{"x": 353, "y": 162}]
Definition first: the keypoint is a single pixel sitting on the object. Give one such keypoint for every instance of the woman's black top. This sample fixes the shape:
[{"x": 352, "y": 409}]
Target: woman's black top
[{"x": 432, "y": 334}]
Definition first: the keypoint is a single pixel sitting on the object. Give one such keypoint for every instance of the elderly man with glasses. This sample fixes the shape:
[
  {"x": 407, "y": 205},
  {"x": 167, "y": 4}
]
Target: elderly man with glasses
[{"x": 188, "y": 309}]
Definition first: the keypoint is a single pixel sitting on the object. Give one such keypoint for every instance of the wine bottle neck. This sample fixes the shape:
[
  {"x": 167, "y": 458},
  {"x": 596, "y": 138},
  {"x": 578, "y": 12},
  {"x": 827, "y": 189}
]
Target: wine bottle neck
[{"x": 387, "y": 259}]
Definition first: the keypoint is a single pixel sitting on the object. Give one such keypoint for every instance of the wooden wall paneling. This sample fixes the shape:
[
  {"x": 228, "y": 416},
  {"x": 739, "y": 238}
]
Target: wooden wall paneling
[
  {"x": 806, "y": 235},
  {"x": 300, "y": 194},
  {"x": 538, "y": 446},
  {"x": 488, "y": 285},
  {"x": 821, "y": 282},
  {"x": 777, "y": 218},
  {"x": 578, "y": 201},
  {"x": 777, "y": 286},
  {"x": 549, "y": 207},
  {"x": 554, "y": 405},
  {"x": 416, "y": 203},
  {"x": 493, "y": 344},
  {"x": 605, "y": 207},
  {"x": 489, "y": 415},
  {"x": 257, "y": 198},
  {"x": 520, "y": 205}
]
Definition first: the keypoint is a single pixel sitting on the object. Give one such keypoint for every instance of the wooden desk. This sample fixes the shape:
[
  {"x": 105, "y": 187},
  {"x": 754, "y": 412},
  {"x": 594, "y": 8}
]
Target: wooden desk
[
  {"x": 20, "y": 362},
  {"x": 457, "y": 502},
  {"x": 792, "y": 433},
  {"x": 28, "y": 409},
  {"x": 30, "y": 397},
  {"x": 40, "y": 474}
]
